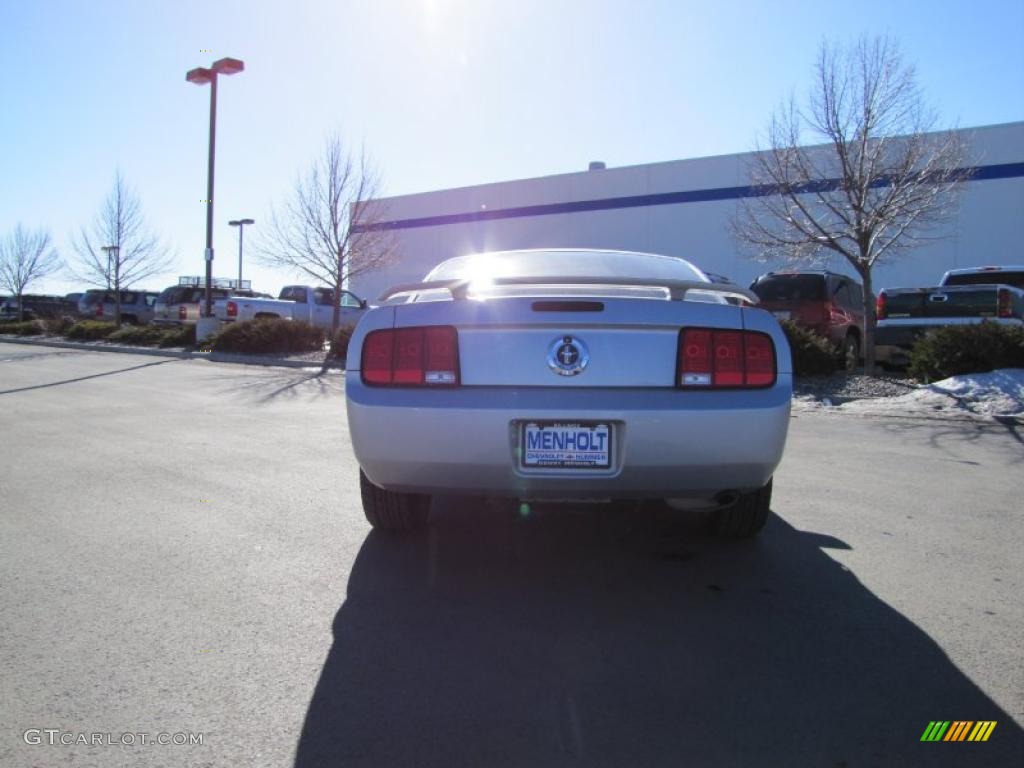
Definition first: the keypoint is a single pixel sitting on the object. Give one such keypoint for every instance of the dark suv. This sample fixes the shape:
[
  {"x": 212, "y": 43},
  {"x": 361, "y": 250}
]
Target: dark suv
[
  {"x": 34, "y": 307},
  {"x": 830, "y": 304}
]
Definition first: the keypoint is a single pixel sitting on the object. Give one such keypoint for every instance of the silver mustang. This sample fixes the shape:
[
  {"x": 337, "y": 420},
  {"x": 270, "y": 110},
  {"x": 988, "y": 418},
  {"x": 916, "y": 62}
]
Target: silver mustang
[{"x": 569, "y": 374}]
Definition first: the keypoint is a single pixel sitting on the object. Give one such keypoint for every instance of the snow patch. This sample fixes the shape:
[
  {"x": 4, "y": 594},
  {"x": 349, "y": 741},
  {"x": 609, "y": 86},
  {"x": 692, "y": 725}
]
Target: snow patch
[{"x": 998, "y": 393}]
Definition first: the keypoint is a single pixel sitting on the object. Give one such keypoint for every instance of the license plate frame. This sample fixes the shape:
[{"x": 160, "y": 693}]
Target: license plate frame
[{"x": 541, "y": 453}]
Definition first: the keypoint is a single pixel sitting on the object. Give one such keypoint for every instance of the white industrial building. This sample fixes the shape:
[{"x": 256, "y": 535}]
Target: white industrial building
[{"x": 682, "y": 208}]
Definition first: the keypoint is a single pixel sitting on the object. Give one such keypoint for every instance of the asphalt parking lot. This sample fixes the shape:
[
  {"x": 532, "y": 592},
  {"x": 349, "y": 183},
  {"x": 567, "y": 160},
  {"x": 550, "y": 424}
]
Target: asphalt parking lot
[{"x": 182, "y": 550}]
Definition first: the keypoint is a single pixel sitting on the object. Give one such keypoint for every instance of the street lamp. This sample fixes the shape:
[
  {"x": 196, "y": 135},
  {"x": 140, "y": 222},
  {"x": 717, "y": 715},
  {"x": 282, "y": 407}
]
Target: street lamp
[
  {"x": 202, "y": 76},
  {"x": 110, "y": 249},
  {"x": 114, "y": 249},
  {"x": 240, "y": 223}
]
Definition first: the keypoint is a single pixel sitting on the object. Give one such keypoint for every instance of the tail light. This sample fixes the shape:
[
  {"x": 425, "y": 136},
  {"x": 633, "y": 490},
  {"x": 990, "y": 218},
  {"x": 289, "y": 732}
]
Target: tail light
[
  {"x": 880, "y": 306},
  {"x": 1004, "y": 305},
  {"x": 232, "y": 309},
  {"x": 182, "y": 312},
  {"x": 710, "y": 358},
  {"x": 99, "y": 309},
  {"x": 411, "y": 357}
]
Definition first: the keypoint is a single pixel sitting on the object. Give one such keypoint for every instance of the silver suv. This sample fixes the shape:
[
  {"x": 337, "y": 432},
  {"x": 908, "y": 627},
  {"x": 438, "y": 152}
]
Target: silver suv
[{"x": 100, "y": 304}]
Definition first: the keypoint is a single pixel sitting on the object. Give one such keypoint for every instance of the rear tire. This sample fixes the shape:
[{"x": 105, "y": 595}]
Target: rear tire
[
  {"x": 391, "y": 511},
  {"x": 850, "y": 353},
  {"x": 747, "y": 516}
]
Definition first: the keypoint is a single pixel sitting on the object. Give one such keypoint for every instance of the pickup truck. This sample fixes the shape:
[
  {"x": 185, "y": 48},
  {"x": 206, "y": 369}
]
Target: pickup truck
[
  {"x": 964, "y": 296},
  {"x": 296, "y": 302}
]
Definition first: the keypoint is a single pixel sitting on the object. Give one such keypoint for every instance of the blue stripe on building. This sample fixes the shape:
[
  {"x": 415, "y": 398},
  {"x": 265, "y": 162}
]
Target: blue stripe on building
[{"x": 977, "y": 173}]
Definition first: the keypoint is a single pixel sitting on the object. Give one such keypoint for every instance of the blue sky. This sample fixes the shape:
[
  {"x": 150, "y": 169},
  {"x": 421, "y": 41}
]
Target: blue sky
[{"x": 442, "y": 93}]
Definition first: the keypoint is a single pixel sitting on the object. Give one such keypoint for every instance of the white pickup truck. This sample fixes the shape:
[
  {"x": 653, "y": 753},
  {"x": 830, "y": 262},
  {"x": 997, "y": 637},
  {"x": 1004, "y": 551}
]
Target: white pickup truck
[
  {"x": 296, "y": 302},
  {"x": 965, "y": 296}
]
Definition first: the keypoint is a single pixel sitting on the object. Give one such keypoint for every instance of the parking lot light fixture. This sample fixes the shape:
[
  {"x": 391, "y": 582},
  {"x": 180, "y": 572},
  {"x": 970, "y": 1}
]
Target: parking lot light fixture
[
  {"x": 202, "y": 76},
  {"x": 240, "y": 223}
]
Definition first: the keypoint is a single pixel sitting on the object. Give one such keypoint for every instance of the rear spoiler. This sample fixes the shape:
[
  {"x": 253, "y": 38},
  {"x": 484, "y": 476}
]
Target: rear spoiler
[{"x": 459, "y": 287}]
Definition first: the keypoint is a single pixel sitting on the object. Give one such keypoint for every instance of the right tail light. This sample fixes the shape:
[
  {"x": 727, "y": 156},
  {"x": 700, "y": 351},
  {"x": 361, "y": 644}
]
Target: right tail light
[
  {"x": 880, "y": 306},
  {"x": 182, "y": 312},
  {"x": 714, "y": 358},
  {"x": 1004, "y": 304},
  {"x": 232, "y": 309}
]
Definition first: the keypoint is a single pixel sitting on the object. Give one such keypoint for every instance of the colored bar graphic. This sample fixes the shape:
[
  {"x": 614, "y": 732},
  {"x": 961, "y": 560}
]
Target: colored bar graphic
[
  {"x": 982, "y": 730},
  {"x": 935, "y": 730},
  {"x": 958, "y": 730}
]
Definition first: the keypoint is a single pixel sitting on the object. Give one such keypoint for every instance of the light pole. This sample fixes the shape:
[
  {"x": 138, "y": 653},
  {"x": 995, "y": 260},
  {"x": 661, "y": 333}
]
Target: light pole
[
  {"x": 114, "y": 249},
  {"x": 202, "y": 76},
  {"x": 240, "y": 223}
]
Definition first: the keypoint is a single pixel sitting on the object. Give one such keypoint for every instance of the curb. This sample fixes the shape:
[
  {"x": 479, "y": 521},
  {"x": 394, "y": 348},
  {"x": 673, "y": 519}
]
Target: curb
[{"x": 213, "y": 357}]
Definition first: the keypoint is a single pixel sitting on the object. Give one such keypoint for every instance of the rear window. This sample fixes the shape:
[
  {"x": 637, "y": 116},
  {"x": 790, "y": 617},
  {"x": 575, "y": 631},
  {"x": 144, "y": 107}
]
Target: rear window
[
  {"x": 176, "y": 294},
  {"x": 790, "y": 288},
  {"x": 93, "y": 297},
  {"x": 567, "y": 263},
  {"x": 996, "y": 276}
]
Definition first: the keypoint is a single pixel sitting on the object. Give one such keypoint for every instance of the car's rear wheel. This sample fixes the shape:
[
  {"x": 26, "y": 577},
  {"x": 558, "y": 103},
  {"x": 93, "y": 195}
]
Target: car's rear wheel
[
  {"x": 747, "y": 516},
  {"x": 391, "y": 511}
]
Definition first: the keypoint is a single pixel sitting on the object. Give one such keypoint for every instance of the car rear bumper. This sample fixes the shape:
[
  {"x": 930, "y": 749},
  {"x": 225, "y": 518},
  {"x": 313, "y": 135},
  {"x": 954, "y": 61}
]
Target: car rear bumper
[{"x": 666, "y": 443}]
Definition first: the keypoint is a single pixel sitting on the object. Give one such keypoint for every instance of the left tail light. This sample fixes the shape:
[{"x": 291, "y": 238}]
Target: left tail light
[
  {"x": 411, "y": 357},
  {"x": 713, "y": 358},
  {"x": 99, "y": 310},
  {"x": 182, "y": 312},
  {"x": 232, "y": 309}
]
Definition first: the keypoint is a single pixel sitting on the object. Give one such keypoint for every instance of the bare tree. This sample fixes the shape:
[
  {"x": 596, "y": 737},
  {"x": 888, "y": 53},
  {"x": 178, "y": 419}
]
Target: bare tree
[
  {"x": 26, "y": 256},
  {"x": 325, "y": 230},
  {"x": 119, "y": 249},
  {"x": 880, "y": 183}
]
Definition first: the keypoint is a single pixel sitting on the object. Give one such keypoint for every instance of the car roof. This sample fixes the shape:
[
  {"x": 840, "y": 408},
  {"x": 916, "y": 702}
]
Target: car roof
[{"x": 981, "y": 270}]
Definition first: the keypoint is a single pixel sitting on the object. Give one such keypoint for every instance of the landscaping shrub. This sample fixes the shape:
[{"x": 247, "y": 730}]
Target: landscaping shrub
[
  {"x": 138, "y": 335},
  {"x": 90, "y": 330},
  {"x": 182, "y": 336},
  {"x": 269, "y": 336},
  {"x": 24, "y": 328},
  {"x": 813, "y": 355},
  {"x": 57, "y": 325},
  {"x": 959, "y": 349},
  {"x": 339, "y": 344}
]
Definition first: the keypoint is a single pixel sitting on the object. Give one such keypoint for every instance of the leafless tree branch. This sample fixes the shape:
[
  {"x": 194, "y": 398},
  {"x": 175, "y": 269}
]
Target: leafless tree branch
[
  {"x": 26, "y": 256},
  {"x": 859, "y": 171},
  {"x": 137, "y": 255},
  {"x": 319, "y": 230}
]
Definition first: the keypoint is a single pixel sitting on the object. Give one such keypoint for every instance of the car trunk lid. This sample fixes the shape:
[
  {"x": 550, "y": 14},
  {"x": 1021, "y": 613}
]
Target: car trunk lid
[{"x": 534, "y": 341}]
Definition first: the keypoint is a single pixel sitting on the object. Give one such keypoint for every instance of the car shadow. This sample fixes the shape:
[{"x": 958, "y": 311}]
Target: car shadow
[{"x": 619, "y": 637}]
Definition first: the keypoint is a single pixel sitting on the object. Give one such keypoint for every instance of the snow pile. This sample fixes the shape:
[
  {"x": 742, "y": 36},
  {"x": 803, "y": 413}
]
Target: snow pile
[{"x": 999, "y": 393}]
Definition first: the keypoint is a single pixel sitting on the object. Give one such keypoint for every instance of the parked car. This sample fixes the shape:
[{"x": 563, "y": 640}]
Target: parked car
[
  {"x": 182, "y": 304},
  {"x": 295, "y": 302},
  {"x": 34, "y": 307},
  {"x": 963, "y": 296},
  {"x": 100, "y": 304},
  {"x": 568, "y": 374},
  {"x": 830, "y": 304}
]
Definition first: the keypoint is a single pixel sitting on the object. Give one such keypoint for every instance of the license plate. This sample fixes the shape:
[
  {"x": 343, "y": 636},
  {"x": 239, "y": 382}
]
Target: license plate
[
  {"x": 573, "y": 445},
  {"x": 782, "y": 315}
]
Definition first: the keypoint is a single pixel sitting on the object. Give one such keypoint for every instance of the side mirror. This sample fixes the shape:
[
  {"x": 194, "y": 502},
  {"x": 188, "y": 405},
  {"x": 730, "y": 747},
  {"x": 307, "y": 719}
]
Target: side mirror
[{"x": 362, "y": 304}]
